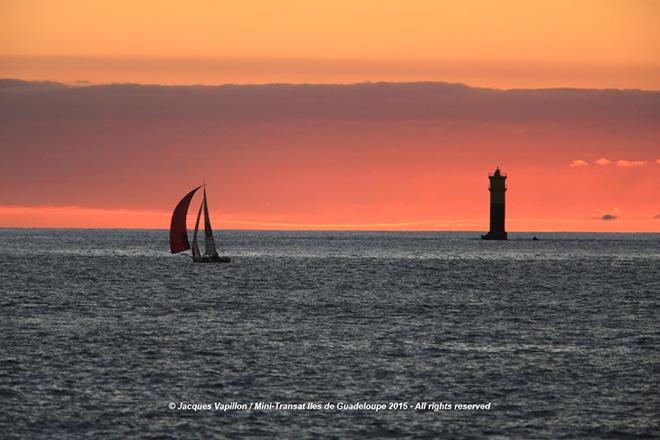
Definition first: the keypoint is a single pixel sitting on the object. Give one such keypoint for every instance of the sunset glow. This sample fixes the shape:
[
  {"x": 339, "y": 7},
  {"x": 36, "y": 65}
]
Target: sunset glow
[
  {"x": 334, "y": 149},
  {"x": 76, "y": 217}
]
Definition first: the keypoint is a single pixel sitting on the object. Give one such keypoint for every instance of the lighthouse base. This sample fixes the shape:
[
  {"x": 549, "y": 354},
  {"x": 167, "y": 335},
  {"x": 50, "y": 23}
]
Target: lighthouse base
[{"x": 494, "y": 235}]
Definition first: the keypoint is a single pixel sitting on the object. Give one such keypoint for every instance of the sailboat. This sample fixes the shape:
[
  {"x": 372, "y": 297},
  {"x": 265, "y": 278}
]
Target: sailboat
[{"x": 179, "y": 231}]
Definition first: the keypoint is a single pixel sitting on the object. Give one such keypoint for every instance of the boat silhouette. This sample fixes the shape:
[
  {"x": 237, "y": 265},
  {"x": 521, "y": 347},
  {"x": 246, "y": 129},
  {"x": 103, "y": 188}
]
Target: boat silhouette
[{"x": 179, "y": 231}]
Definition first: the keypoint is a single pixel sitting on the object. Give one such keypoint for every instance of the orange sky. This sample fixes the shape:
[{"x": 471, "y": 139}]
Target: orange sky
[
  {"x": 354, "y": 157},
  {"x": 515, "y": 43},
  {"x": 381, "y": 156}
]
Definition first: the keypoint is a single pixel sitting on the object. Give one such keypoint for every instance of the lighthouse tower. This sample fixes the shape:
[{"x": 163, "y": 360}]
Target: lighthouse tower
[{"x": 497, "y": 189}]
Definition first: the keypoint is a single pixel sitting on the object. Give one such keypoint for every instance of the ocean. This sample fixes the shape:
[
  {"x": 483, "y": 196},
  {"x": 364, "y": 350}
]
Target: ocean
[{"x": 330, "y": 335}]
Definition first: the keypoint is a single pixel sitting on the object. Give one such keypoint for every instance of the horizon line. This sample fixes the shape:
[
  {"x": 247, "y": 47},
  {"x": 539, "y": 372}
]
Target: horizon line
[
  {"x": 160, "y": 218},
  {"x": 334, "y": 230}
]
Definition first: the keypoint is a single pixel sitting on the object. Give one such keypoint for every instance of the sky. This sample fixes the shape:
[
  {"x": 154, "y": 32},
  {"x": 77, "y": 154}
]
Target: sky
[
  {"x": 503, "y": 44},
  {"x": 370, "y": 131}
]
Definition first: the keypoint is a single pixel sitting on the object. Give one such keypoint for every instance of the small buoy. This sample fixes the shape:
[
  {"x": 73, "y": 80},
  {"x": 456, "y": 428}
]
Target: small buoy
[{"x": 534, "y": 238}]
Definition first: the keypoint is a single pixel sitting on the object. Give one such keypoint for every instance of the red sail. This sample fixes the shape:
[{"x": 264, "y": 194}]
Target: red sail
[{"x": 178, "y": 229}]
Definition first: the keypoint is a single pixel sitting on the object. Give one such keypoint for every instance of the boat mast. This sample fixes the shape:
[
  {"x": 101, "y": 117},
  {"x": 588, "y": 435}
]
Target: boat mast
[
  {"x": 195, "y": 248},
  {"x": 209, "y": 243}
]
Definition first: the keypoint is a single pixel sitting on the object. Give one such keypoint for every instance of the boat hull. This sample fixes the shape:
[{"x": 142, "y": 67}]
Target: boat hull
[{"x": 213, "y": 259}]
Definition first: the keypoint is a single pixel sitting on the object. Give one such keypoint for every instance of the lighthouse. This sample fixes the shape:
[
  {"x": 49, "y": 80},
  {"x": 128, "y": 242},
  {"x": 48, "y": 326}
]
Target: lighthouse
[{"x": 497, "y": 189}]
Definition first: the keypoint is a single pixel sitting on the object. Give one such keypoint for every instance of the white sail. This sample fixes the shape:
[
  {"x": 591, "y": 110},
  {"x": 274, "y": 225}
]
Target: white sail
[
  {"x": 209, "y": 244},
  {"x": 195, "y": 248}
]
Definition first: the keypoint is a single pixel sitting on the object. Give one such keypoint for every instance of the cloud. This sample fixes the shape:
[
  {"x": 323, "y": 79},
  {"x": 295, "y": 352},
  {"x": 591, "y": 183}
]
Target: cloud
[
  {"x": 657, "y": 161},
  {"x": 578, "y": 164},
  {"x": 623, "y": 163},
  {"x": 657, "y": 217},
  {"x": 247, "y": 69},
  {"x": 613, "y": 214},
  {"x": 318, "y": 154},
  {"x": 18, "y": 84},
  {"x": 630, "y": 163},
  {"x": 420, "y": 101}
]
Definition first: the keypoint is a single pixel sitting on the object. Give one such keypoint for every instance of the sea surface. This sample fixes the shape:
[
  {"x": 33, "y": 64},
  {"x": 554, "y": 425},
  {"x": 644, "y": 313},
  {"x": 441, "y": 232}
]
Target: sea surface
[{"x": 101, "y": 329}]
